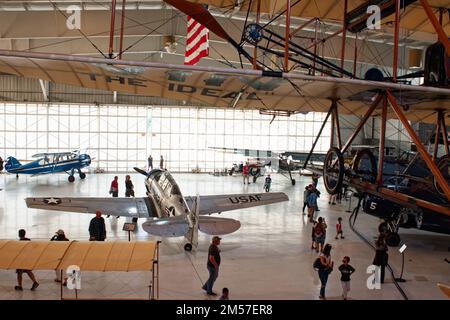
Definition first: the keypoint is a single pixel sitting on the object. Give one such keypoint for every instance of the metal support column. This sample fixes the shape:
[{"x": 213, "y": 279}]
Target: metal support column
[{"x": 382, "y": 142}]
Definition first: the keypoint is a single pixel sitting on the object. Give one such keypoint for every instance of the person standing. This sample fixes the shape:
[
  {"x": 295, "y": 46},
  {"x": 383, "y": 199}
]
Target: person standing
[
  {"x": 339, "y": 229},
  {"x": 59, "y": 236},
  {"x": 315, "y": 179},
  {"x": 381, "y": 255},
  {"x": 346, "y": 271},
  {"x": 320, "y": 234},
  {"x": 1, "y": 164},
  {"x": 212, "y": 265},
  {"x": 161, "y": 163},
  {"x": 20, "y": 272},
  {"x": 150, "y": 163},
  {"x": 325, "y": 269},
  {"x": 305, "y": 198},
  {"x": 129, "y": 187},
  {"x": 267, "y": 183},
  {"x": 312, "y": 203},
  {"x": 245, "y": 172},
  {"x": 114, "y": 189},
  {"x": 97, "y": 228}
]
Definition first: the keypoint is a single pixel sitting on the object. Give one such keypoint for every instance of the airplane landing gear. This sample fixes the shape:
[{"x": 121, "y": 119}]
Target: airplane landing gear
[
  {"x": 443, "y": 166},
  {"x": 188, "y": 247},
  {"x": 71, "y": 178},
  {"x": 82, "y": 175},
  {"x": 17, "y": 176},
  {"x": 293, "y": 182},
  {"x": 333, "y": 171},
  {"x": 134, "y": 220}
]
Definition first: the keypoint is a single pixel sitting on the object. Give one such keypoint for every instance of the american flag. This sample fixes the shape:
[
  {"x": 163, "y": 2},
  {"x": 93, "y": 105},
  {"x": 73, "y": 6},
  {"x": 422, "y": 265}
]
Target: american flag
[{"x": 197, "y": 45}]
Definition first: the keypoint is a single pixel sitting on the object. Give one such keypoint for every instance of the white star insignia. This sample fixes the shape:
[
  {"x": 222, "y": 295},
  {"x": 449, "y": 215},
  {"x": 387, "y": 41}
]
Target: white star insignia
[{"x": 52, "y": 200}]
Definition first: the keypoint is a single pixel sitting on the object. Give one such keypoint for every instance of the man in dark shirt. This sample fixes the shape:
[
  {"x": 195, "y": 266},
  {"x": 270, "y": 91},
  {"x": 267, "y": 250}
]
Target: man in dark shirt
[
  {"x": 19, "y": 272},
  {"x": 212, "y": 265},
  {"x": 97, "y": 228}
]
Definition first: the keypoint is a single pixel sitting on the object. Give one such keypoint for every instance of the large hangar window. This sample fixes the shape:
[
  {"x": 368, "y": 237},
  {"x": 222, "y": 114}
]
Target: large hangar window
[{"x": 121, "y": 137}]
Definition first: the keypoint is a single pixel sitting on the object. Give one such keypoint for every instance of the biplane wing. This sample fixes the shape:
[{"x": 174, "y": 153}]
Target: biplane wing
[
  {"x": 223, "y": 87},
  {"x": 413, "y": 16},
  {"x": 40, "y": 155}
]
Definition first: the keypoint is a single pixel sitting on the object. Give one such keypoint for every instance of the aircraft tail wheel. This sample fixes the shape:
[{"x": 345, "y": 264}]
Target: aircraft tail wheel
[
  {"x": 392, "y": 239},
  {"x": 71, "y": 178},
  {"x": 293, "y": 182},
  {"x": 82, "y": 175},
  {"x": 443, "y": 166},
  {"x": 134, "y": 220},
  {"x": 365, "y": 165},
  {"x": 333, "y": 171},
  {"x": 188, "y": 247}
]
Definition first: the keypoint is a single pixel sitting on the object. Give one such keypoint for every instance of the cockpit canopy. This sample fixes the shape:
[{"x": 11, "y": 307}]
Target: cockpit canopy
[{"x": 166, "y": 182}]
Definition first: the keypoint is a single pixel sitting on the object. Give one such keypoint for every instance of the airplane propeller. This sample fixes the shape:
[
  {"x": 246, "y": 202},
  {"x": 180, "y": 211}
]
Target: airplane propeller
[{"x": 141, "y": 171}]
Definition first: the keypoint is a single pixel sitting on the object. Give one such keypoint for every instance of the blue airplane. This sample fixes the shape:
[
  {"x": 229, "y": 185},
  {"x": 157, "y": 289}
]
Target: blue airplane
[{"x": 56, "y": 162}]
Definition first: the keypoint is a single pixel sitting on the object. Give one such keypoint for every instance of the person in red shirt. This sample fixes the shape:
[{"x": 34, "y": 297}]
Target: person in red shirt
[
  {"x": 114, "y": 189},
  {"x": 245, "y": 172},
  {"x": 339, "y": 229}
]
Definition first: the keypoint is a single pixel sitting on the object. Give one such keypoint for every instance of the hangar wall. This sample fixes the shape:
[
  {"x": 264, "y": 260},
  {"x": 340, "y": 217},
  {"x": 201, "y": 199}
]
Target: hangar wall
[{"x": 120, "y": 137}]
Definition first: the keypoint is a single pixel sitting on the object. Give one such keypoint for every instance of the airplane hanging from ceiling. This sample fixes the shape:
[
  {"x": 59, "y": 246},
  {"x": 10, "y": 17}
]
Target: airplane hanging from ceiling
[{"x": 169, "y": 213}]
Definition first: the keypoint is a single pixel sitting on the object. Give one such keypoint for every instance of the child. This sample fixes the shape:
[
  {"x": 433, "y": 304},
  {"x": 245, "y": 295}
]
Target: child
[
  {"x": 339, "y": 229},
  {"x": 312, "y": 235},
  {"x": 267, "y": 183},
  {"x": 224, "y": 295},
  {"x": 346, "y": 271}
]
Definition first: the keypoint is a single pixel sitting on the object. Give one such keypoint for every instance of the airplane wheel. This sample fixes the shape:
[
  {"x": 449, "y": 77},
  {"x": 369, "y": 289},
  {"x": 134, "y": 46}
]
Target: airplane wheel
[
  {"x": 17, "y": 176},
  {"x": 188, "y": 247},
  {"x": 392, "y": 239},
  {"x": 333, "y": 170},
  {"x": 293, "y": 182},
  {"x": 365, "y": 165},
  {"x": 82, "y": 175},
  {"x": 443, "y": 166},
  {"x": 134, "y": 220},
  {"x": 71, "y": 178}
]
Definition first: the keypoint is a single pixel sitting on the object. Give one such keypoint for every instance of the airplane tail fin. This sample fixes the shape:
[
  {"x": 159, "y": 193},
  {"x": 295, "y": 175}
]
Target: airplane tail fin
[{"x": 12, "y": 163}]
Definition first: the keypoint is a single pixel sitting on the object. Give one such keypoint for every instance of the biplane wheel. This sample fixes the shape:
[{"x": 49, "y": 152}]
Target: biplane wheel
[
  {"x": 71, "y": 178},
  {"x": 392, "y": 239},
  {"x": 365, "y": 165},
  {"x": 134, "y": 220},
  {"x": 188, "y": 247},
  {"x": 293, "y": 182},
  {"x": 82, "y": 175},
  {"x": 333, "y": 171},
  {"x": 443, "y": 166}
]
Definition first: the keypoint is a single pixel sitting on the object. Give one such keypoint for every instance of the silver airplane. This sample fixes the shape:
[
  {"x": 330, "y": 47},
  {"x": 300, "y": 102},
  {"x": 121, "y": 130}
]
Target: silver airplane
[{"x": 169, "y": 214}]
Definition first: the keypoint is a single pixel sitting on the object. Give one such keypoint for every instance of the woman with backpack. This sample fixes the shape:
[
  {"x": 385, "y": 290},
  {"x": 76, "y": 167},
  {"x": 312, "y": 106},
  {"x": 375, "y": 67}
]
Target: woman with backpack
[
  {"x": 320, "y": 233},
  {"x": 324, "y": 269}
]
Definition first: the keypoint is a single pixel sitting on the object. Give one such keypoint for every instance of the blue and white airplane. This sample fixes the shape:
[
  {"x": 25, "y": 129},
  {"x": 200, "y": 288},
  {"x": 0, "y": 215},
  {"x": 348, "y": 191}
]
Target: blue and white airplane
[{"x": 56, "y": 162}]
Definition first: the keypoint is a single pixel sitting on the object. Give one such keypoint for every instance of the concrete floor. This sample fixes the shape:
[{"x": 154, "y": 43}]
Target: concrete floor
[{"x": 268, "y": 258}]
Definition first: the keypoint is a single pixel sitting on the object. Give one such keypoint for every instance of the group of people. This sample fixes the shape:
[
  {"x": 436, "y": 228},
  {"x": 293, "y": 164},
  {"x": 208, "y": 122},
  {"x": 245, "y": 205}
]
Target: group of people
[
  {"x": 59, "y": 236},
  {"x": 150, "y": 163}
]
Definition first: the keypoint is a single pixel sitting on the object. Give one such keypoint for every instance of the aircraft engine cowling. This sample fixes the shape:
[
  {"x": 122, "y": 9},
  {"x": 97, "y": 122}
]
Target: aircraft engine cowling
[
  {"x": 217, "y": 226},
  {"x": 167, "y": 227}
]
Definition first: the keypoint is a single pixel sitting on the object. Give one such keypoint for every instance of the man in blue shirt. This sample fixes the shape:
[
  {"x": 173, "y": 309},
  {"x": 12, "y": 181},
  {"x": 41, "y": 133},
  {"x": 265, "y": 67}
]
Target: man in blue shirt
[{"x": 312, "y": 203}]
